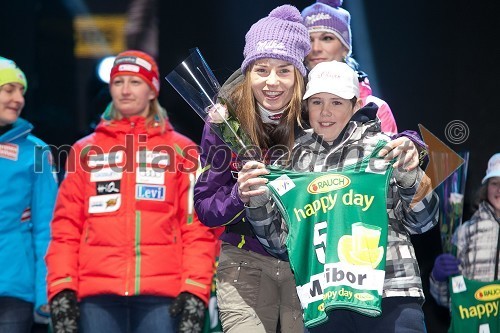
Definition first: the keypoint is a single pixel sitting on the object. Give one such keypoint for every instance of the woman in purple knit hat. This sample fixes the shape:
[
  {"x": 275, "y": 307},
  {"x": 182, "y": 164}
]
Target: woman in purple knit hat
[
  {"x": 330, "y": 30},
  {"x": 255, "y": 291}
]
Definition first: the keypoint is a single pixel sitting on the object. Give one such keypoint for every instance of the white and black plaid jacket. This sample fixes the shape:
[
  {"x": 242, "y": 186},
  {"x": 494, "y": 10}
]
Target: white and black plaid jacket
[
  {"x": 358, "y": 140},
  {"x": 477, "y": 248}
]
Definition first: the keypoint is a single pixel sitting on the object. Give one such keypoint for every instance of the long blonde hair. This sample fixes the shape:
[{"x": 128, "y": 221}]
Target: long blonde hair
[{"x": 263, "y": 135}]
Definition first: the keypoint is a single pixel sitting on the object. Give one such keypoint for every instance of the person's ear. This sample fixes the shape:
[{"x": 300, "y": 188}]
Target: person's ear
[
  {"x": 345, "y": 52},
  {"x": 358, "y": 105},
  {"x": 152, "y": 94}
]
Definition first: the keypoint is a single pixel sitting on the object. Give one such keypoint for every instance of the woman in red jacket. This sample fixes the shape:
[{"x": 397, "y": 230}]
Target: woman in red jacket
[{"x": 126, "y": 244}]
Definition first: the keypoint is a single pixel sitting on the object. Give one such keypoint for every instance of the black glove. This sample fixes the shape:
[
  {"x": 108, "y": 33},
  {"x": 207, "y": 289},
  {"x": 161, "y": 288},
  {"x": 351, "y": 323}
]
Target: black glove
[
  {"x": 191, "y": 310},
  {"x": 64, "y": 312},
  {"x": 445, "y": 265}
]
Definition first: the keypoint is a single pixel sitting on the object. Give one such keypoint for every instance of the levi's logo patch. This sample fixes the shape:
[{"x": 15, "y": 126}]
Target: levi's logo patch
[
  {"x": 108, "y": 187},
  {"x": 150, "y": 192}
]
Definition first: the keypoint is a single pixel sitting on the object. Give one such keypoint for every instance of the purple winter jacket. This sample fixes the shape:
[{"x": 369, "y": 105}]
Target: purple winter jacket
[{"x": 216, "y": 199}]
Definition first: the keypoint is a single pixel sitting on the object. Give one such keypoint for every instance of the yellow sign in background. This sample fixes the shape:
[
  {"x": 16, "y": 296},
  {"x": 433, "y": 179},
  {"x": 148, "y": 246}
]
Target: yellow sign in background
[{"x": 99, "y": 35}]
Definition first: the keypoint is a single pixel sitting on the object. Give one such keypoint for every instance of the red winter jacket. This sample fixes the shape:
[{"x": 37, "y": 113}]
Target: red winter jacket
[{"x": 122, "y": 226}]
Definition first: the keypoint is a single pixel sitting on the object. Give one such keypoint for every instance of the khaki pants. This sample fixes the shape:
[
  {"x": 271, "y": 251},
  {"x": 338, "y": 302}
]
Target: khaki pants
[{"x": 254, "y": 291}]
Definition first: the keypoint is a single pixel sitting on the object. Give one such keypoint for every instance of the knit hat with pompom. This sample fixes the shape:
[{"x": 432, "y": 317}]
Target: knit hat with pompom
[
  {"x": 327, "y": 16},
  {"x": 281, "y": 35}
]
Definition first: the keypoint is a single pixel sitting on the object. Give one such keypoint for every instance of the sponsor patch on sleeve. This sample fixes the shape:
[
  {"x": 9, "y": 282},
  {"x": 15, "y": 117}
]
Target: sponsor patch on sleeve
[
  {"x": 9, "y": 151},
  {"x": 458, "y": 284},
  {"x": 282, "y": 184}
]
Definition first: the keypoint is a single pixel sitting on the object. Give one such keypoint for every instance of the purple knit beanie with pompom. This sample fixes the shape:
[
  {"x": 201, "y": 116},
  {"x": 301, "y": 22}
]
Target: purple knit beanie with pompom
[
  {"x": 281, "y": 35},
  {"x": 327, "y": 16}
]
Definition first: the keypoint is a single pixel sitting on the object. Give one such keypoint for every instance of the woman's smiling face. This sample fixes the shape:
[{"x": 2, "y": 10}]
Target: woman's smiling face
[
  {"x": 11, "y": 102},
  {"x": 273, "y": 81}
]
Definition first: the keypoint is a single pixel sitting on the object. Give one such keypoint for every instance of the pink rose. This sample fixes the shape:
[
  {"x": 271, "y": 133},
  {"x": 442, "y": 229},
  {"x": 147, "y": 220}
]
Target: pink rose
[{"x": 217, "y": 113}]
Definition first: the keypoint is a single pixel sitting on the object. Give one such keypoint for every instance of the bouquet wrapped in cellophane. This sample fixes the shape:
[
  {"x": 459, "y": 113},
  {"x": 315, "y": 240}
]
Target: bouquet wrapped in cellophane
[
  {"x": 451, "y": 199},
  {"x": 195, "y": 82}
]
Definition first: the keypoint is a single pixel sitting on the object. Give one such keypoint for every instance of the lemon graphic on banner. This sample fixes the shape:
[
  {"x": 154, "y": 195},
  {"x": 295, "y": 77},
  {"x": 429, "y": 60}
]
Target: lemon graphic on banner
[{"x": 361, "y": 248}]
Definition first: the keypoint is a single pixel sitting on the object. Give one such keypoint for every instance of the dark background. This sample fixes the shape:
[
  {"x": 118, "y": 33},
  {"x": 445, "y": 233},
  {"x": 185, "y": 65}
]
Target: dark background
[{"x": 433, "y": 62}]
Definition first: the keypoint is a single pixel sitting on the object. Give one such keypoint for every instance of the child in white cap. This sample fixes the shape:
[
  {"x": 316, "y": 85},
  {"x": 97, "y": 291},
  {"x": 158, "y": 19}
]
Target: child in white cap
[
  {"x": 477, "y": 256},
  {"x": 344, "y": 134}
]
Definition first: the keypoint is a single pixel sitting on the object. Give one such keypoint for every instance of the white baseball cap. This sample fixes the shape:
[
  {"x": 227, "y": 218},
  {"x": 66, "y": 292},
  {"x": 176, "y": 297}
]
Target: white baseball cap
[
  {"x": 332, "y": 77},
  {"x": 493, "y": 168}
]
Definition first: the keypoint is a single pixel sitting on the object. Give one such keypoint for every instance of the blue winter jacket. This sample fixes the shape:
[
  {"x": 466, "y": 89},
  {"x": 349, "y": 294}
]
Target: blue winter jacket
[{"x": 28, "y": 190}]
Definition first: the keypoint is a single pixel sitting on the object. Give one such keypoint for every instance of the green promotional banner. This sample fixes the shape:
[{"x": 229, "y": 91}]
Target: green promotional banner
[
  {"x": 337, "y": 235},
  {"x": 474, "y": 306}
]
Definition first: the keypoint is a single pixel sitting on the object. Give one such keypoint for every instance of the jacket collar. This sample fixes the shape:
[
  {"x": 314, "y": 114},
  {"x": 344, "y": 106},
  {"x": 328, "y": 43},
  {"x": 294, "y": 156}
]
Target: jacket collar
[
  {"x": 486, "y": 212},
  {"x": 366, "y": 117},
  {"x": 20, "y": 128},
  {"x": 131, "y": 125}
]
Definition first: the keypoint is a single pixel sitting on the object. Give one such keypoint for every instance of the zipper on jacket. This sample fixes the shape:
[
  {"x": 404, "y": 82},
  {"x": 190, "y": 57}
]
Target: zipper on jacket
[
  {"x": 86, "y": 234},
  {"x": 127, "y": 272},
  {"x": 495, "y": 277},
  {"x": 238, "y": 271},
  {"x": 129, "y": 184},
  {"x": 127, "y": 228},
  {"x": 20, "y": 135},
  {"x": 496, "y": 259},
  {"x": 137, "y": 253},
  {"x": 498, "y": 247}
]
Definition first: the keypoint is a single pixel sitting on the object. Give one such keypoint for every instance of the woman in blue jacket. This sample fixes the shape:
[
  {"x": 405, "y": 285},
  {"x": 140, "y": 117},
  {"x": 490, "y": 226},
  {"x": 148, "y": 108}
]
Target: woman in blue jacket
[{"x": 28, "y": 189}]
